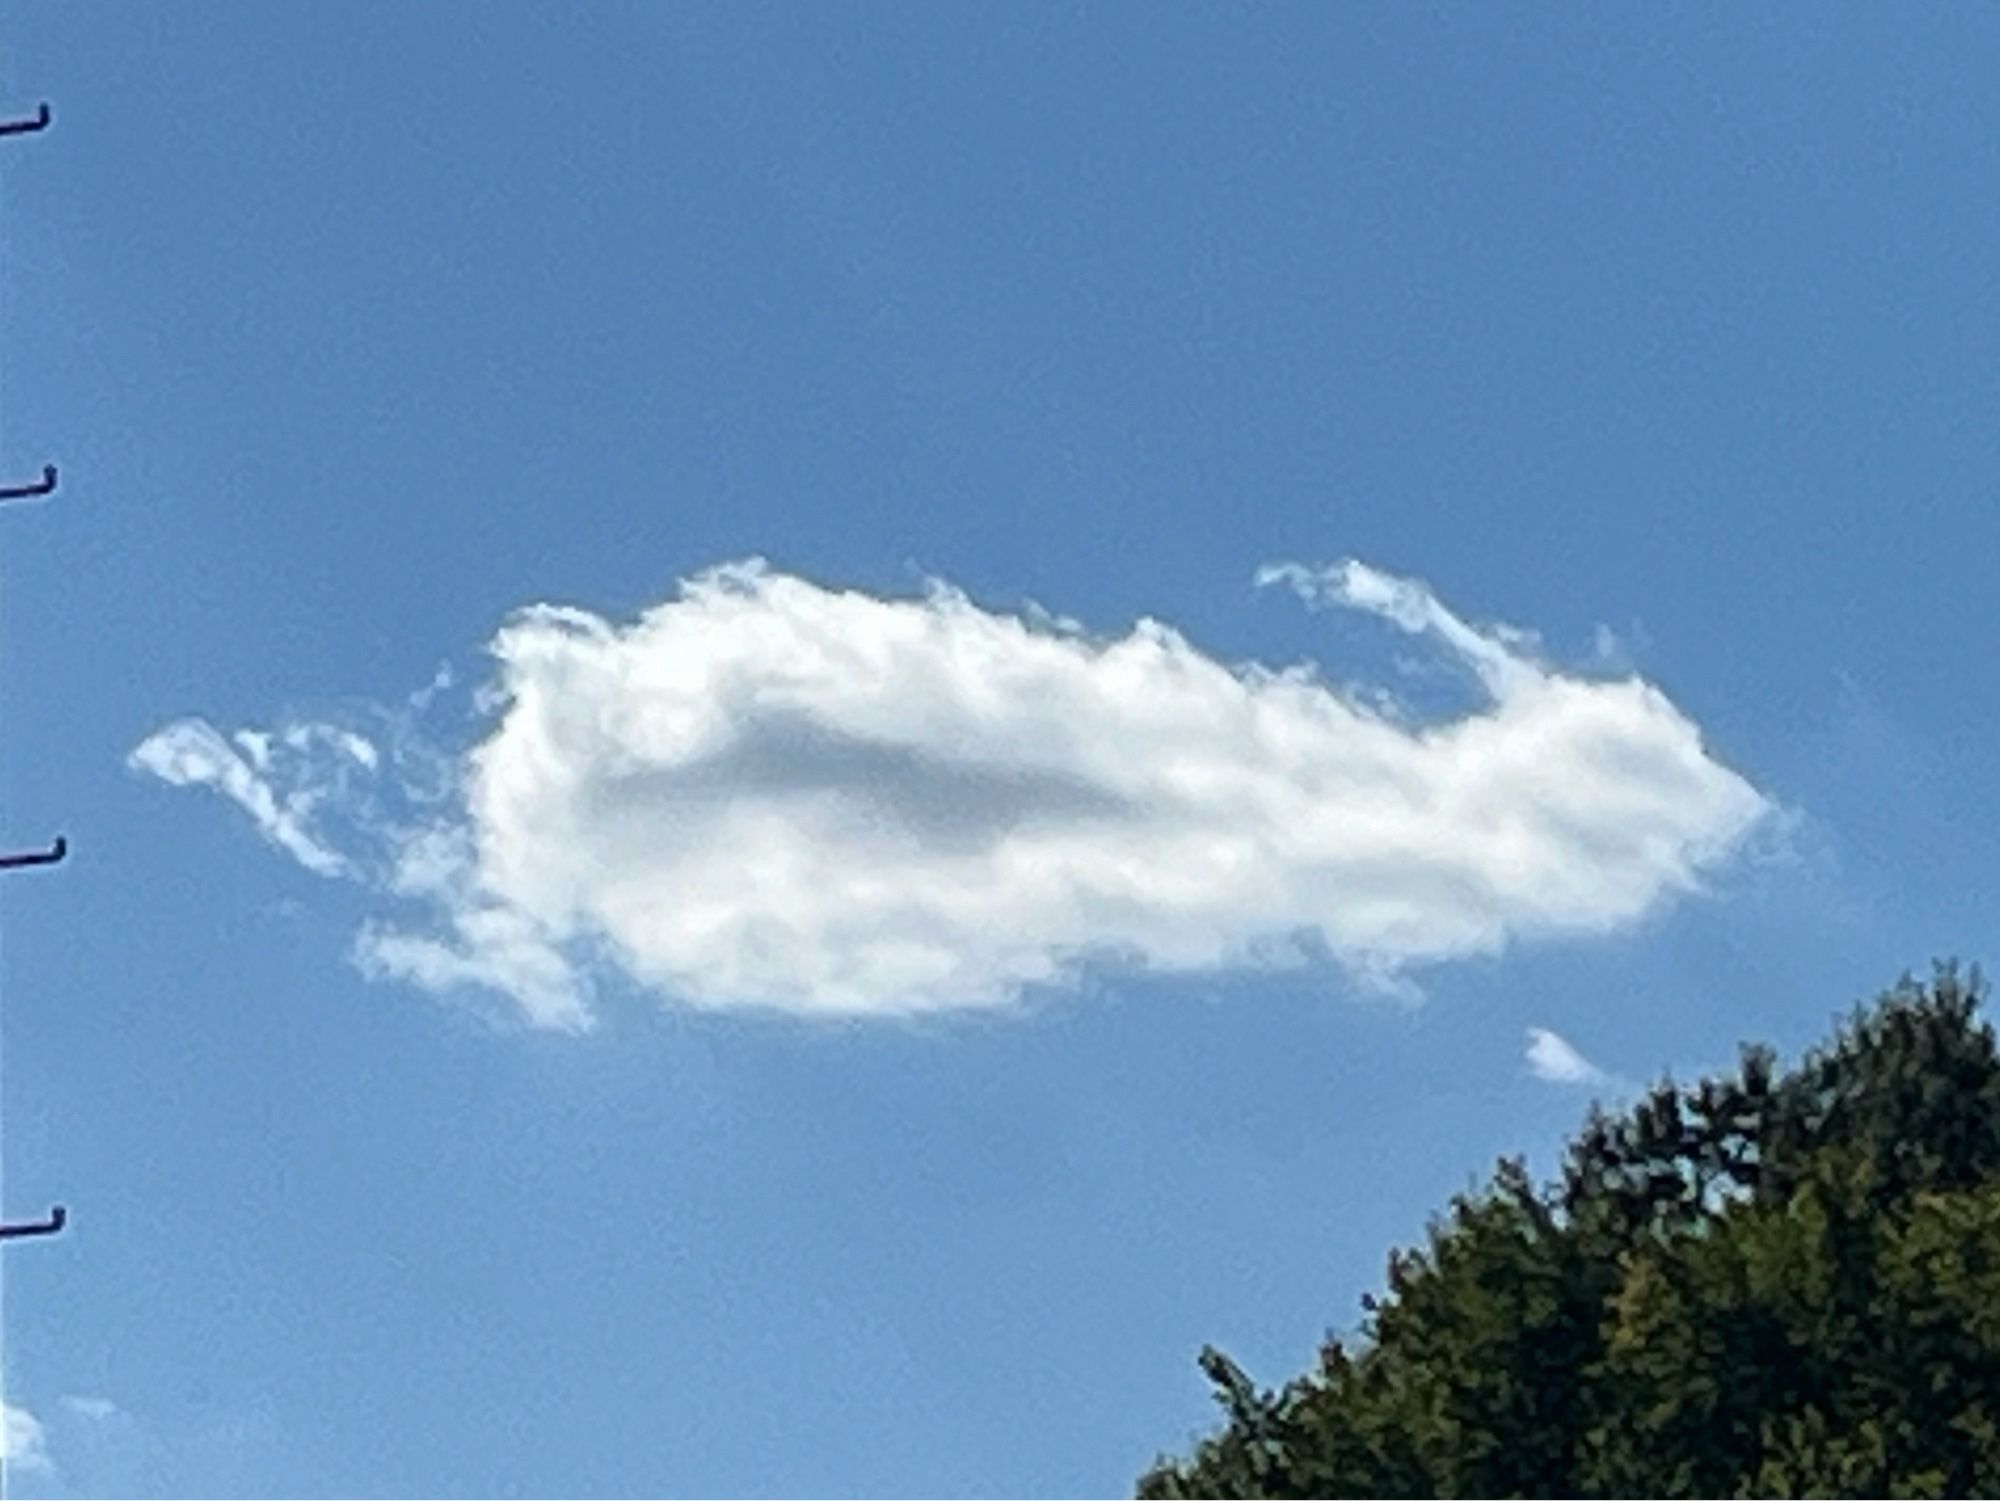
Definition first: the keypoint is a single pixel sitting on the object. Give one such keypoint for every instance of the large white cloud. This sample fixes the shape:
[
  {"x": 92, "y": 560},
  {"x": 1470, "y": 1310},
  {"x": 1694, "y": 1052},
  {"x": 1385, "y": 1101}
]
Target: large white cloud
[{"x": 767, "y": 792}]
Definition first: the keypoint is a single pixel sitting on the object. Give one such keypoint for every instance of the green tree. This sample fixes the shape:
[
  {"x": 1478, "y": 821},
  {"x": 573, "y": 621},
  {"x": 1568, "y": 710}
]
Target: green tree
[{"x": 1759, "y": 1285}]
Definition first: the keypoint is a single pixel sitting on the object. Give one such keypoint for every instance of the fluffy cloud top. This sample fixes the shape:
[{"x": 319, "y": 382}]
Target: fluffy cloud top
[{"x": 767, "y": 792}]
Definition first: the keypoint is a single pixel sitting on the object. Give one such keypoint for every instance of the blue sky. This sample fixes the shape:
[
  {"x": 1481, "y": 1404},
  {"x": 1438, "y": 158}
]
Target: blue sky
[{"x": 857, "y": 1025}]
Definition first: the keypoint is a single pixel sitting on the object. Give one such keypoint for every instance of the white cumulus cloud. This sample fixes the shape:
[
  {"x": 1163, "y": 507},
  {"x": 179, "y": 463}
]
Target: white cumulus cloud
[{"x": 768, "y": 792}]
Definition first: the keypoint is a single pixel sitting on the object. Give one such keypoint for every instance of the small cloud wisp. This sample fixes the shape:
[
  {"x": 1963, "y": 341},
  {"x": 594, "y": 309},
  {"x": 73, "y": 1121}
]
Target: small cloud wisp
[{"x": 1551, "y": 1057}]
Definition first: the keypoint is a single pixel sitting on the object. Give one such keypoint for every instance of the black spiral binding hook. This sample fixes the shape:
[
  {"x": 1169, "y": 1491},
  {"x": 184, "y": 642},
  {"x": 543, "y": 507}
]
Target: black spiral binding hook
[
  {"x": 40, "y": 121},
  {"x": 25, "y": 859},
  {"x": 53, "y": 855},
  {"x": 44, "y": 486},
  {"x": 58, "y": 1217}
]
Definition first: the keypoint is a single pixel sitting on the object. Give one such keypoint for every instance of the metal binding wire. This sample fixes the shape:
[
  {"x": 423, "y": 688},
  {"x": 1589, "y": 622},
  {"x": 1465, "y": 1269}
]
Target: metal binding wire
[{"x": 25, "y": 859}]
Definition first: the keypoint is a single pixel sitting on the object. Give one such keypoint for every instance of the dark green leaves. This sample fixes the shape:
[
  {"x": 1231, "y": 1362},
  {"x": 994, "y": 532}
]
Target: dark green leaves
[{"x": 1763, "y": 1284}]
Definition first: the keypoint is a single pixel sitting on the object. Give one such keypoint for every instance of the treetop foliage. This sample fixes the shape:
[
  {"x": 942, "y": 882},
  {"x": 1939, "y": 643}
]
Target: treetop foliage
[{"x": 1762, "y": 1284}]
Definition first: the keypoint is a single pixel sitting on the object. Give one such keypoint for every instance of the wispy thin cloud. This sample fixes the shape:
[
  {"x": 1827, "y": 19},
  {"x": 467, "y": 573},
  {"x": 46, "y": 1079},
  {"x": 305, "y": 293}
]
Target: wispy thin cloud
[
  {"x": 246, "y": 768},
  {"x": 768, "y": 792},
  {"x": 94, "y": 1409}
]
